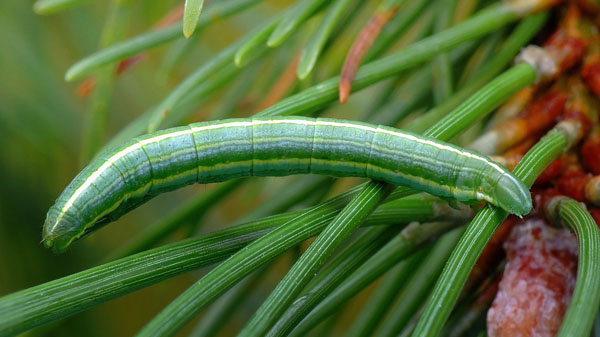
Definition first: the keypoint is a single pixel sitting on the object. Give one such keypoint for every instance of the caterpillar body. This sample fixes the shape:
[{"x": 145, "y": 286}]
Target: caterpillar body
[{"x": 125, "y": 177}]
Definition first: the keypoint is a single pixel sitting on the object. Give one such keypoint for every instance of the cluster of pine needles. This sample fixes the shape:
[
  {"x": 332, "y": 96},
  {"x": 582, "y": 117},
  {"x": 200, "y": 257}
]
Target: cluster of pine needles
[{"x": 518, "y": 80}]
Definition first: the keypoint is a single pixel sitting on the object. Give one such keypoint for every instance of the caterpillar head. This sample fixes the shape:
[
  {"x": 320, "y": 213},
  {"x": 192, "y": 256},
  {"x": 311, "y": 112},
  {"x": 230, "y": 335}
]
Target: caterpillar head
[{"x": 513, "y": 196}]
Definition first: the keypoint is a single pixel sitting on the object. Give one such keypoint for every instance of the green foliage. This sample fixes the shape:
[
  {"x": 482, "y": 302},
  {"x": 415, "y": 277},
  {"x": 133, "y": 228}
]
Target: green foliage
[{"x": 254, "y": 234}]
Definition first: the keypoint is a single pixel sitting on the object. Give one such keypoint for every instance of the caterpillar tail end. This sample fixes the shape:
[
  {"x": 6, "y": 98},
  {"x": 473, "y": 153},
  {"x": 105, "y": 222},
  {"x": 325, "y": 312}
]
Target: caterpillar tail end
[
  {"x": 56, "y": 244},
  {"x": 57, "y": 233},
  {"x": 51, "y": 243},
  {"x": 47, "y": 242}
]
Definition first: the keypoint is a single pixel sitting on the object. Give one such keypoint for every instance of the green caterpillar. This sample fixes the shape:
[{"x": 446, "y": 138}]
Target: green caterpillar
[{"x": 207, "y": 152}]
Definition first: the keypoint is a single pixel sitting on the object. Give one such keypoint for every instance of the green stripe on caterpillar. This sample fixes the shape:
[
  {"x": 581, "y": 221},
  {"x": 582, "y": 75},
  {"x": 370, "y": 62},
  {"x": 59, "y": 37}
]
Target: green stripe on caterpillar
[{"x": 127, "y": 176}]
